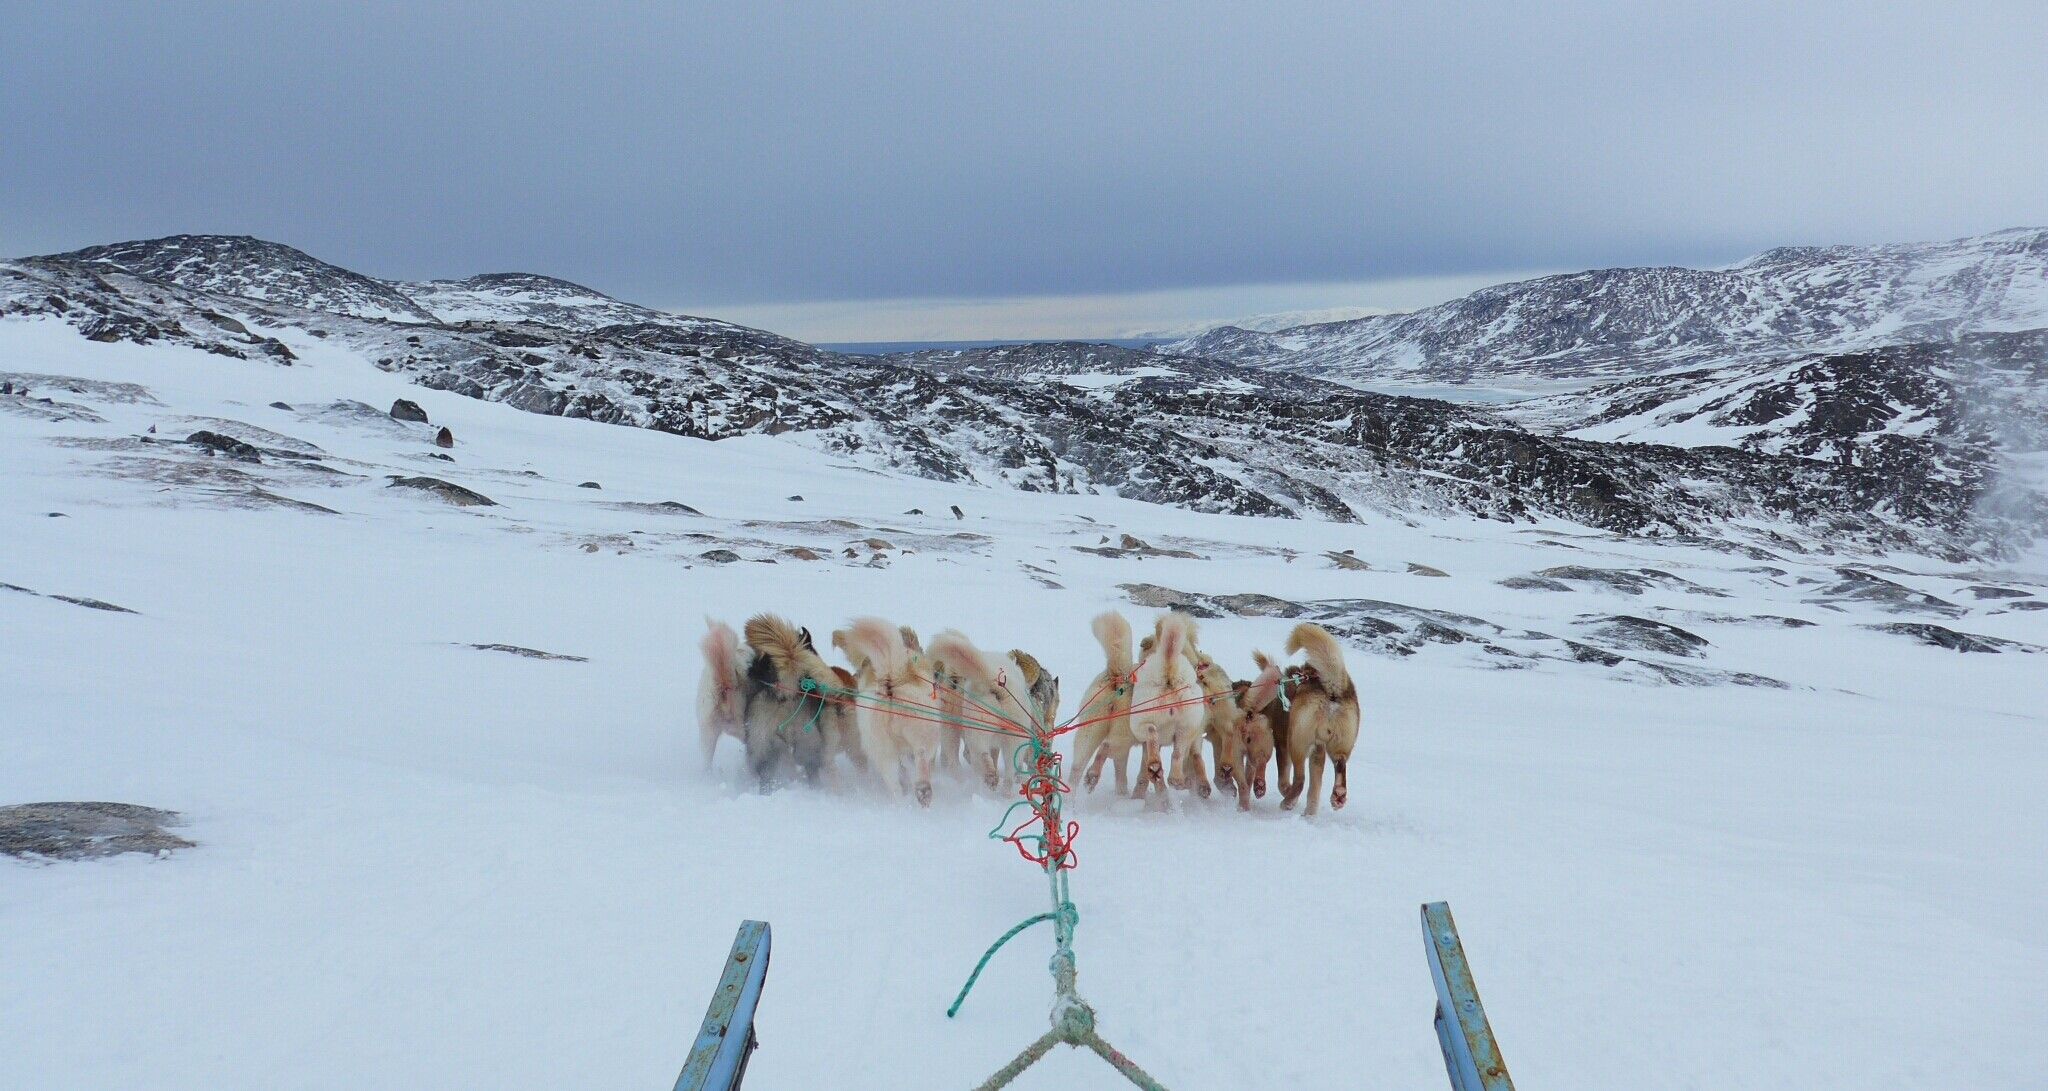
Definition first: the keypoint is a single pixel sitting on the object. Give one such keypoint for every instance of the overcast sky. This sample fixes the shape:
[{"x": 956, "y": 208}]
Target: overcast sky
[{"x": 885, "y": 170}]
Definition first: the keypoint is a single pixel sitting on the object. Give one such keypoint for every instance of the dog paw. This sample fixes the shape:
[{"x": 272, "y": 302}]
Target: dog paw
[
  {"x": 924, "y": 795},
  {"x": 1202, "y": 788}
]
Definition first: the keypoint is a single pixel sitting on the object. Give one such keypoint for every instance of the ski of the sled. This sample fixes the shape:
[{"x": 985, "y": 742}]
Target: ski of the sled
[
  {"x": 1471, "y": 1056},
  {"x": 718, "y": 1061}
]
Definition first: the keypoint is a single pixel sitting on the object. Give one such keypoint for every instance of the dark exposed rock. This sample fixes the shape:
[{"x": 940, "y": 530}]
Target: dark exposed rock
[
  {"x": 529, "y": 653},
  {"x": 444, "y": 438},
  {"x": 93, "y": 604},
  {"x": 1348, "y": 562},
  {"x": 446, "y": 490},
  {"x": 719, "y": 556},
  {"x": 227, "y": 445},
  {"x": 1644, "y": 634},
  {"x": 1858, "y": 586},
  {"x": 1942, "y": 637},
  {"x": 1425, "y": 570},
  {"x": 797, "y": 497},
  {"x": 590, "y": 485},
  {"x": 1984, "y": 592},
  {"x": 957, "y": 513},
  {"x": 85, "y": 831},
  {"x": 1628, "y": 581},
  {"x": 1155, "y": 597},
  {"x": 280, "y": 405},
  {"x": 1533, "y": 583},
  {"x": 407, "y": 410}
]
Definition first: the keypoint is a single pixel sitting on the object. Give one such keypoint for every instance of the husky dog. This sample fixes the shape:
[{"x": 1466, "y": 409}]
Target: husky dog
[
  {"x": 988, "y": 693},
  {"x": 783, "y": 718},
  {"x": 901, "y": 745},
  {"x": 1323, "y": 720},
  {"x": 1251, "y": 706},
  {"x": 1165, "y": 678},
  {"x": 1105, "y": 731},
  {"x": 722, "y": 692},
  {"x": 840, "y": 724},
  {"x": 1219, "y": 722}
]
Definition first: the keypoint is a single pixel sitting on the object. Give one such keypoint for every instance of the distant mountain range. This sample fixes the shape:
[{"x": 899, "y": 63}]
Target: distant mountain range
[
  {"x": 1750, "y": 426},
  {"x": 1613, "y": 323}
]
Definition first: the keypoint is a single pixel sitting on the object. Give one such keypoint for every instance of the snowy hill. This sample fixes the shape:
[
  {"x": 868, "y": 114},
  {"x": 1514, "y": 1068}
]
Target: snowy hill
[
  {"x": 1709, "y": 813},
  {"x": 525, "y": 297},
  {"x": 1046, "y": 418},
  {"x": 1629, "y": 322}
]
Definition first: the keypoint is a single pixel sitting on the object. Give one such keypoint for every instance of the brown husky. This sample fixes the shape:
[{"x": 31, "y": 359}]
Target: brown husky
[
  {"x": 1159, "y": 719},
  {"x": 1251, "y": 703},
  {"x": 1323, "y": 720},
  {"x": 1105, "y": 734}
]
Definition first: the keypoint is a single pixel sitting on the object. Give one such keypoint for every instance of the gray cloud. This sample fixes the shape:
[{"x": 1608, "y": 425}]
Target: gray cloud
[{"x": 705, "y": 155}]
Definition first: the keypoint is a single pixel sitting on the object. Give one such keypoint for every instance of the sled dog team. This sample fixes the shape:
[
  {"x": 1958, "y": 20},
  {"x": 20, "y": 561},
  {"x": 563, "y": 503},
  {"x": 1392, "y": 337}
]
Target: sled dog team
[{"x": 907, "y": 709}]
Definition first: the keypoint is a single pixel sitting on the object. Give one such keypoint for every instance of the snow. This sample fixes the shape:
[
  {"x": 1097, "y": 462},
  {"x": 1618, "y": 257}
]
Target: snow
[
  {"x": 1102, "y": 380},
  {"x": 421, "y": 864}
]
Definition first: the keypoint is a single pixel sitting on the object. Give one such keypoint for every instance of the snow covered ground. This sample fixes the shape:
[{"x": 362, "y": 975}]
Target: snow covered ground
[{"x": 421, "y": 864}]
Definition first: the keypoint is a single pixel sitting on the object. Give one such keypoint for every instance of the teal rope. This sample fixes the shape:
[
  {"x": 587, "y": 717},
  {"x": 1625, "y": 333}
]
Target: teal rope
[{"x": 1065, "y": 915}]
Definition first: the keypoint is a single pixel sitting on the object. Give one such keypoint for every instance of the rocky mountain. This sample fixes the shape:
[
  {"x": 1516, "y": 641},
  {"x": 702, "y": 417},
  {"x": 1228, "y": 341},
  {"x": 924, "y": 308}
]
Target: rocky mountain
[
  {"x": 250, "y": 268},
  {"x": 1205, "y": 434},
  {"x": 1613, "y": 323}
]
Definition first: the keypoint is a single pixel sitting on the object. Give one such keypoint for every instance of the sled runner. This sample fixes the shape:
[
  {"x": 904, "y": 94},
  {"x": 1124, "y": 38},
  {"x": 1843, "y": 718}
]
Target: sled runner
[
  {"x": 1471, "y": 1056},
  {"x": 718, "y": 1062}
]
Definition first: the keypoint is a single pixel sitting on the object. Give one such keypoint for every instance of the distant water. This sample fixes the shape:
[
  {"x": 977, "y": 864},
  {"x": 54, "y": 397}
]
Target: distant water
[{"x": 878, "y": 348}]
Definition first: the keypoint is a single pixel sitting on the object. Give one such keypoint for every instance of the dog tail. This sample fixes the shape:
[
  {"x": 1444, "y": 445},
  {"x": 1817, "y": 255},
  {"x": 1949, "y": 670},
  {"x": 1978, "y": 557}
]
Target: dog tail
[
  {"x": 963, "y": 658},
  {"x": 881, "y": 644},
  {"x": 1176, "y": 634},
  {"x": 1114, "y": 634},
  {"x": 781, "y": 642},
  {"x": 910, "y": 639},
  {"x": 1265, "y": 687},
  {"x": 721, "y": 652},
  {"x": 1324, "y": 655},
  {"x": 1033, "y": 669}
]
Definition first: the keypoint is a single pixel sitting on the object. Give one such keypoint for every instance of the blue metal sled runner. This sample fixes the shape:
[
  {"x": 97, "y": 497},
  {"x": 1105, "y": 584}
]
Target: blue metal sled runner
[{"x": 718, "y": 1062}]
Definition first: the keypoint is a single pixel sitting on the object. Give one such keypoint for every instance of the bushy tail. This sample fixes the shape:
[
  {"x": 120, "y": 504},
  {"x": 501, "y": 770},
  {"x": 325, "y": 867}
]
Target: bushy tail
[
  {"x": 910, "y": 639},
  {"x": 961, "y": 657},
  {"x": 780, "y": 641},
  {"x": 1176, "y": 634},
  {"x": 1265, "y": 687},
  {"x": 1114, "y": 634},
  {"x": 721, "y": 651},
  {"x": 1324, "y": 655},
  {"x": 881, "y": 644}
]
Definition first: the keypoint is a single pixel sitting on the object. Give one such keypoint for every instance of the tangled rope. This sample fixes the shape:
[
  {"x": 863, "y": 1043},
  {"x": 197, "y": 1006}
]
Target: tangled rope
[{"x": 1044, "y": 836}]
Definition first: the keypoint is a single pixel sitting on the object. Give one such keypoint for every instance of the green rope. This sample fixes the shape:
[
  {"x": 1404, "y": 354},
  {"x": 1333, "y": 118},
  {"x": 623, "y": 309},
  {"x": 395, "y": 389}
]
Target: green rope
[{"x": 1065, "y": 915}]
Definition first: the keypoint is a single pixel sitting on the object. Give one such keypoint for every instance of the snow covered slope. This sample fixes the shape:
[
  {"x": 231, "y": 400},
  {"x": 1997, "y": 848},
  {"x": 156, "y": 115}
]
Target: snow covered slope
[
  {"x": 1202, "y": 434},
  {"x": 1629, "y": 322},
  {"x": 1710, "y": 815}
]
